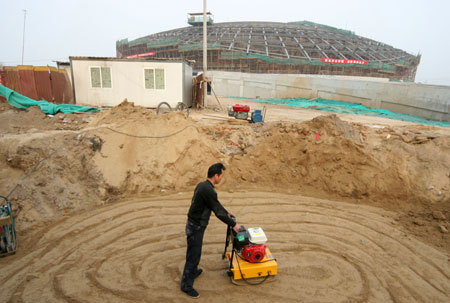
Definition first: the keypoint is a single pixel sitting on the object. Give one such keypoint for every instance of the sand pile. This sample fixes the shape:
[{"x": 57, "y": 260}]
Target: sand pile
[
  {"x": 130, "y": 150},
  {"x": 101, "y": 163},
  {"x": 329, "y": 156},
  {"x": 77, "y": 243},
  {"x": 32, "y": 120},
  {"x": 67, "y": 181},
  {"x": 144, "y": 152}
]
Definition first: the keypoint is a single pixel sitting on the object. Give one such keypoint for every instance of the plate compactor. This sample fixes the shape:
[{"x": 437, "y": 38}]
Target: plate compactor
[
  {"x": 249, "y": 257},
  {"x": 7, "y": 229}
]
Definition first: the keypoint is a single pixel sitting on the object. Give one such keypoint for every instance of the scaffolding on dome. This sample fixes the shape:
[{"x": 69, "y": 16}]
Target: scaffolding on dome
[{"x": 270, "y": 47}]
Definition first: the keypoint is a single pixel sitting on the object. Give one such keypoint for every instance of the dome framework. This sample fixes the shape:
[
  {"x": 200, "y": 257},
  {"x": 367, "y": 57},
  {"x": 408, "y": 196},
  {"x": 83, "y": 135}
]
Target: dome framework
[{"x": 271, "y": 47}]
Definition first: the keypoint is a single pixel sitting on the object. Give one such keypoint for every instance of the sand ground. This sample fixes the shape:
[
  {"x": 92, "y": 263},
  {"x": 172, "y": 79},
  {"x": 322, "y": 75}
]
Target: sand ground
[{"x": 356, "y": 214}]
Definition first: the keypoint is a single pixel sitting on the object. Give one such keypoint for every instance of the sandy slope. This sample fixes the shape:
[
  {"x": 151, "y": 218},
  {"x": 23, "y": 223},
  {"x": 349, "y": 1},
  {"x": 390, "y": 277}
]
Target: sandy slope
[
  {"x": 356, "y": 214},
  {"x": 133, "y": 251}
]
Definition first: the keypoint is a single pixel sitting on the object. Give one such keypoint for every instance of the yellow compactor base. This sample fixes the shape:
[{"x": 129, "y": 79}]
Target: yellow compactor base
[{"x": 268, "y": 266}]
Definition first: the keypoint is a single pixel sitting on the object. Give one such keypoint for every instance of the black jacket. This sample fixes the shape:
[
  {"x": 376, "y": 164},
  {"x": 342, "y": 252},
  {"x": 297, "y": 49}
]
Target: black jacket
[{"x": 205, "y": 200}]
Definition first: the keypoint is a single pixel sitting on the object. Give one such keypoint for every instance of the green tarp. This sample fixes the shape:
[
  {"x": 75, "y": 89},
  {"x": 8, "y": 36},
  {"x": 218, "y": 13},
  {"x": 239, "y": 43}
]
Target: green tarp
[
  {"x": 348, "y": 108},
  {"x": 20, "y": 101}
]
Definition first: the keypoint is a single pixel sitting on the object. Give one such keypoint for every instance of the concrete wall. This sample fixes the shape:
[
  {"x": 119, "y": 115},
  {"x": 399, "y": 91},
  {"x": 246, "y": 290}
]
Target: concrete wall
[
  {"x": 427, "y": 101},
  {"x": 128, "y": 82}
]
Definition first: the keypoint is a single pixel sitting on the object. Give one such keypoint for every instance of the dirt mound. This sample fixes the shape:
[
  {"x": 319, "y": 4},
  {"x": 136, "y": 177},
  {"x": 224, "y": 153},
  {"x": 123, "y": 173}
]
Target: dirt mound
[
  {"x": 401, "y": 170},
  {"x": 333, "y": 126},
  {"x": 125, "y": 111},
  {"x": 130, "y": 150},
  {"x": 329, "y": 156},
  {"x": 62, "y": 177},
  {"x": 73, "y": 246},
  {"x": 32, "y": 120},
  {"x": 127, "y": 150},
  {"x": 151, "y": 152}
]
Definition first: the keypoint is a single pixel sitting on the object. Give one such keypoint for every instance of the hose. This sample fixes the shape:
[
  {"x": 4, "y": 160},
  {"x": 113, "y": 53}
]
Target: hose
[
  {"x": 163, "y": 103},
  {"x": 242, "y": 275}
]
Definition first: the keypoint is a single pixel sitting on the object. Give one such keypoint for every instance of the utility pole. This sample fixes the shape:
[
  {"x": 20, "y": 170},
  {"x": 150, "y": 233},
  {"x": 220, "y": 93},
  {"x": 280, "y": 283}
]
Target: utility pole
[
  {"x": 205, "y": 57},
  {"x": 23, "y": 41}
]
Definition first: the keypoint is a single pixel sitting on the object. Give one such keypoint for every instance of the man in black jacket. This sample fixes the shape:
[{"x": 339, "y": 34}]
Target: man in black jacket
[{"x": 203, "y": 202}]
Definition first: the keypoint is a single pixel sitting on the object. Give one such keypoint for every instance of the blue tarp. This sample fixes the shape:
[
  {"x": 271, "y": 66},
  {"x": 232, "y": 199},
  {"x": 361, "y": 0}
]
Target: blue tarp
[
  {"x": 348, "y": 108},
  {"x": 20, "y": 101}
]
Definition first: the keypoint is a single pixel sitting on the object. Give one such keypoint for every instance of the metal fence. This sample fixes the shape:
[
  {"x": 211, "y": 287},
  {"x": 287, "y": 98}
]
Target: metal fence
[{"x": 39, "y": 83}]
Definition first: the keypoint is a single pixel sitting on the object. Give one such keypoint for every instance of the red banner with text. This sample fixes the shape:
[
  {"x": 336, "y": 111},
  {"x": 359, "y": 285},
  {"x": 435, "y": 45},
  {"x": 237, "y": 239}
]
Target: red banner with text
[
  {"x": 141, "y": 55},
  {"x": 343, "y": 61}
]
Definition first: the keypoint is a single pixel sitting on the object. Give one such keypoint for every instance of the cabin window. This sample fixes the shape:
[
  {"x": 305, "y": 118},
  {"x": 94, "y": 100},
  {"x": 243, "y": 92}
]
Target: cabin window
[
  {"x": 159, "y": 78},
  {"x": 101, "y": 77},
  {"x": 149, "y": 75},
  {"x": 154, "y": 78}
]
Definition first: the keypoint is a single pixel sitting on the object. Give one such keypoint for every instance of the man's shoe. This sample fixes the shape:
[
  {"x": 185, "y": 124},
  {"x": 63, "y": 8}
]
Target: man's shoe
[
  {"x": 192, "y": 293},
  {"x": 199, "y": 272}
]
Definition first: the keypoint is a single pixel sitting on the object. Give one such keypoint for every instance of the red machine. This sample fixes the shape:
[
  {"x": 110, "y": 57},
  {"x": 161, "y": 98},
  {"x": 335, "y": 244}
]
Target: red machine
[
  {"x": 239, "y": 111},
  {"x": 249, "y": 257},
  {"x": 241, "y": 108},
  {"x": 254, "y": 253}
]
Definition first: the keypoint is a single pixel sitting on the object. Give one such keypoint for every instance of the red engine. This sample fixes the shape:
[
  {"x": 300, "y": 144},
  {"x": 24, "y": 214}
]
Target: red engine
[
  {"x": 241, "y": 108},
  {"x": 254, "y": 253}
]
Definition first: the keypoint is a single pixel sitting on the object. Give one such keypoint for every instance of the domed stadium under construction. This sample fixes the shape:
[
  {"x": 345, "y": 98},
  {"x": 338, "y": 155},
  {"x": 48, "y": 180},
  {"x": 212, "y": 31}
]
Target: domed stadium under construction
[{"x": 272, "y": 47}]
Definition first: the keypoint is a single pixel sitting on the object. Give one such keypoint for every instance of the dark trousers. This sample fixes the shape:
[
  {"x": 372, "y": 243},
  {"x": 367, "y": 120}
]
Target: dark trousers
[{"x": 194, "y": 236}]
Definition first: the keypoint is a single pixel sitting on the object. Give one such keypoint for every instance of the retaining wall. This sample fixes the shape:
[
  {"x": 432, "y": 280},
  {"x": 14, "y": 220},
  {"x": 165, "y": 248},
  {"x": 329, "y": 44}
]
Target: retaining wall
[{"x": 427, "y": 101}]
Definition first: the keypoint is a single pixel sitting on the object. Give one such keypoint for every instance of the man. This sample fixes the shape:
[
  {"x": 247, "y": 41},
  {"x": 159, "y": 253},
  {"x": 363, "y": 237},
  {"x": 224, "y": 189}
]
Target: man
[{"x": 203, "y": 202}]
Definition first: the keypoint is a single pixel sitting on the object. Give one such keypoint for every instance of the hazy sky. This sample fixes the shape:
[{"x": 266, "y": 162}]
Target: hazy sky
[{"x": 57, "y": 29}]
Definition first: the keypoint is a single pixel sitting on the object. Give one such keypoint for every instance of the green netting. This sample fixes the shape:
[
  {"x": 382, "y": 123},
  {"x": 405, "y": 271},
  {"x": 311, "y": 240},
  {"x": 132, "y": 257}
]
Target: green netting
[
  {"x": 380, "y": 66},
  {"x": 348, "y": 108},
  {"x": 160, "y": 43},
  {"x": 142, "y": 40},
  {"x": 285, "y": 61},
  {"x": 197, "y": 46},
  {"x": 150, "y": 44},
  {"x": 331, "y": 28},
  {"x": 121, "y": 42}
]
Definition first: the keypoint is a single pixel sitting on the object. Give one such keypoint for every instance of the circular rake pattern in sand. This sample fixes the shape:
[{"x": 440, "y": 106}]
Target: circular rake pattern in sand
[{"x": 134, "y": 251}]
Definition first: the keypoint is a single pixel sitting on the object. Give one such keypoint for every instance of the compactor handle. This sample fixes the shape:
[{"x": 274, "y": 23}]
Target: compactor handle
[{"x": 228, "y": 237}]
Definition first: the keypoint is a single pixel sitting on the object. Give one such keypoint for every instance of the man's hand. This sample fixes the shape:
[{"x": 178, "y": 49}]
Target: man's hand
[{"x": 237, "y": 227}]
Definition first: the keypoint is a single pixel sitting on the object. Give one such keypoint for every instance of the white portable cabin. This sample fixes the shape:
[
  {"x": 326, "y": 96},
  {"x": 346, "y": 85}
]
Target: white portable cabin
[
  {"x": 108, "y": 81},
  {"x": 196, "y": 19}
]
